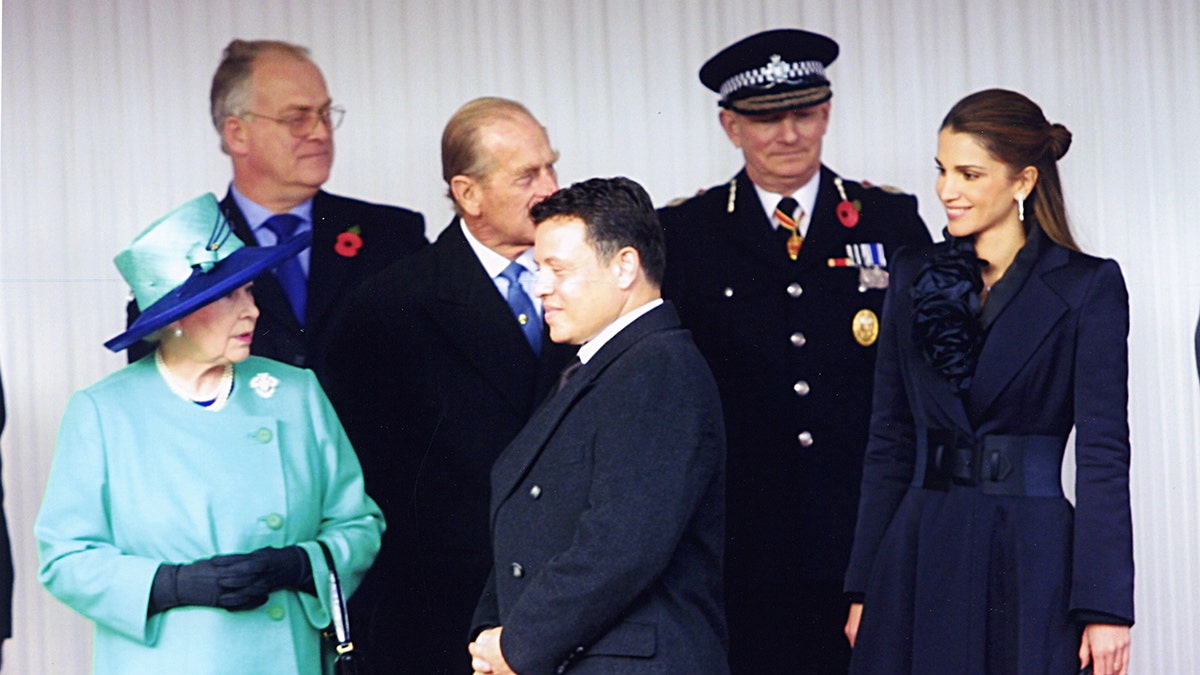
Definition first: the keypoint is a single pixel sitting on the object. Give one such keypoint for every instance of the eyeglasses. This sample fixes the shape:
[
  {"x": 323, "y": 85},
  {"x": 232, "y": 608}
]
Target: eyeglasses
[{"x": 303, "y": 122}]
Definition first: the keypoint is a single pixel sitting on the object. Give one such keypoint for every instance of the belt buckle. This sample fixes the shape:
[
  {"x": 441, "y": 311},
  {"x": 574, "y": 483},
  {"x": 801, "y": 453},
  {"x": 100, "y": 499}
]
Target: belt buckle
[
  {"x": 1002, "y": 471},
  {"x": 965, "y": 468}
]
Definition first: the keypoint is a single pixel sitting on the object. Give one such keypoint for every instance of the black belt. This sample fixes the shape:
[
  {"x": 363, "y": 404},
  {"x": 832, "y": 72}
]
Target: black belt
[{"x": 1021, "y": 466}]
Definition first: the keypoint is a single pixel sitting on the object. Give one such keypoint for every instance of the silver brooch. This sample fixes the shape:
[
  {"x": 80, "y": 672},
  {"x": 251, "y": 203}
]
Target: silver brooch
[{"x": 264, "y": 385}]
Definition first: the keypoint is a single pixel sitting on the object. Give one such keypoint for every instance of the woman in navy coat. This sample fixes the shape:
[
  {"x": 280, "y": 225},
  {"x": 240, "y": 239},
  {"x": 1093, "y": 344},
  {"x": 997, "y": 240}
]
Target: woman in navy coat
[{"x": 997, "y": 343}]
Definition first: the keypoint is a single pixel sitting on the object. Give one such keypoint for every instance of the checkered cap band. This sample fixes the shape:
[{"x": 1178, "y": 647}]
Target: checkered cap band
[{"x": 774, "y": 73}]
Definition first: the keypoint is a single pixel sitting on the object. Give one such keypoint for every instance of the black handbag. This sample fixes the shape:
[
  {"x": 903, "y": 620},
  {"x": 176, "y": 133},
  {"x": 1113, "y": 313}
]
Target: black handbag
[{"x": 337, "y": 635}]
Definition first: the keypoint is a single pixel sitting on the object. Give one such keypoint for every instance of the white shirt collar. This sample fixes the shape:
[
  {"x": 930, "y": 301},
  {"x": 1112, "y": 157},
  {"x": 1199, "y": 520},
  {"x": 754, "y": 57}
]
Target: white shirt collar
[
  {"x": 494, "y": 263},
  {"x": 806, "y": 197},
  {"x": 589, "y": 348}
]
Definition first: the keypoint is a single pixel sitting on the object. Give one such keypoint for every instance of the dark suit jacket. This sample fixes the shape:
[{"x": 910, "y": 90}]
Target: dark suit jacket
[
  {"x": 1055, "y": 358},
  {"x": 608, "y": 516},
  {"x": 6, "y": 566},
  {"x": 779, "y": 337},
  {"x": 432, "y": 377},
  {"x": 388, "y": 233}
]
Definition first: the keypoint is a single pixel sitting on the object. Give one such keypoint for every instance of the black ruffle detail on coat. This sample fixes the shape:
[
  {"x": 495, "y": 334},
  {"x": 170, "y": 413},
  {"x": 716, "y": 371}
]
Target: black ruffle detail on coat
[{"x": 945, "y": 297}]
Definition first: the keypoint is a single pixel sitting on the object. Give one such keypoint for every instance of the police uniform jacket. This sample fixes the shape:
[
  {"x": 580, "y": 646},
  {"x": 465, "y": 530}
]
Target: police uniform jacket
[
  {"x": 959, "y": 562},
  {"x": 795, "y": 382},
  {"x": 142, "y": 477},
  {"x": 432, "y": 377},
  {"x": 387, "y": 234},
  {"x": 607, "y": 516}
]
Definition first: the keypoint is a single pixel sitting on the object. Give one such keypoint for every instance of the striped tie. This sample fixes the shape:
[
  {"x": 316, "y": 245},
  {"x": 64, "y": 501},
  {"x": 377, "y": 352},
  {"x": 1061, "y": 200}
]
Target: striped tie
[{"x": 788, "y": 220}]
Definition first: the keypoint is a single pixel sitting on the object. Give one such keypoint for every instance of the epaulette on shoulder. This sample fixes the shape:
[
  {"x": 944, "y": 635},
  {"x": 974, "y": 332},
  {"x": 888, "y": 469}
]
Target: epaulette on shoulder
[
  {"x": 891, "y": 189},
  {"x": 679, "y": 200}
]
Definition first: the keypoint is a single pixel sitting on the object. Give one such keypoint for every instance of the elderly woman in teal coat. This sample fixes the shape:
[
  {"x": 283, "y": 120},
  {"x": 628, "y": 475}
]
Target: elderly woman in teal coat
[{"x": 192, "y": 491}]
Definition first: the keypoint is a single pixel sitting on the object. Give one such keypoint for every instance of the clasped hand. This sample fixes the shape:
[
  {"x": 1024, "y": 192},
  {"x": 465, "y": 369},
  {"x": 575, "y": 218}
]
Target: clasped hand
[
  {"x": 486, "y": 656},
  {"x": 235, "y": 582}
]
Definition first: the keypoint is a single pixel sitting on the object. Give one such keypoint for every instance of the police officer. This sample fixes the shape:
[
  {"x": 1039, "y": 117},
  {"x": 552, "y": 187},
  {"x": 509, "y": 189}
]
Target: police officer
[{"x": 780, "y": 274}]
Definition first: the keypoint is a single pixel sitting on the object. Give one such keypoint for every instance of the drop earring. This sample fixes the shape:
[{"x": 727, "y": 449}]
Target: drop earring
[{"x": 1021, "y": 207}]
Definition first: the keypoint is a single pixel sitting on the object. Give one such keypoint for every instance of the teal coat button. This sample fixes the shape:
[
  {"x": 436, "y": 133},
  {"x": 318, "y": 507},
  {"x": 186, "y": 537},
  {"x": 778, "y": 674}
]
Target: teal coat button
[
  {"x": 263, "y": 435},
  {"x": 276, "y": 612},
  {"x": 274, "y": 521}
]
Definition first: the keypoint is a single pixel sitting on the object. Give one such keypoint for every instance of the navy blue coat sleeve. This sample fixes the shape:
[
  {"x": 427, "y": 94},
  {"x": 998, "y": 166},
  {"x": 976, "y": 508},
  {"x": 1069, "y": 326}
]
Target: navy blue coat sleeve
[{"x": 1102, "y": 578}]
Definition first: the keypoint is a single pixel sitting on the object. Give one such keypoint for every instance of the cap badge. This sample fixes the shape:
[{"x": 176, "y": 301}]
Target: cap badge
[{"x": 776, "y": 71}]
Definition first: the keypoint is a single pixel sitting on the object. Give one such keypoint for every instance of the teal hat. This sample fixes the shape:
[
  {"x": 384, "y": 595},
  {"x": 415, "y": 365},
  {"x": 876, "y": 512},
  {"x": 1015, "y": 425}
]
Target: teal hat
[{"x": 185, "y": 260}]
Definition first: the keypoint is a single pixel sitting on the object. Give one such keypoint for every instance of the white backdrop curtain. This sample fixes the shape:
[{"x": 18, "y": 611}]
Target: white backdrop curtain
[{"x": 104, "y": 126}]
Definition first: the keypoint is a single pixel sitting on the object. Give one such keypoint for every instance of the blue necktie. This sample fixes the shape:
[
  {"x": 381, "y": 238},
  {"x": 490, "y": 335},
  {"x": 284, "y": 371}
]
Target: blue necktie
[
  {"x": 289, "y": 272},
  {"x": 522, "y": 306}
]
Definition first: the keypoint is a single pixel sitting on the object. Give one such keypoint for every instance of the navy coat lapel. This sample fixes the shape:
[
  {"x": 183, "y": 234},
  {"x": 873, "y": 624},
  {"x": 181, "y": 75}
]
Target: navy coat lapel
[
  {"x": 472, "y": 313},
  {"x": 325, "y": 265},
  {"x": 524, "y": 450},
  {"x": 1019, "y": 330}
]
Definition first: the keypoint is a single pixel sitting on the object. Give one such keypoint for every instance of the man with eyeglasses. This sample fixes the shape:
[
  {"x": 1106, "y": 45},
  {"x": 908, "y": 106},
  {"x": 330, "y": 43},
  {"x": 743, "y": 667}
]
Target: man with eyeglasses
[{"x": 276, "y": 120}]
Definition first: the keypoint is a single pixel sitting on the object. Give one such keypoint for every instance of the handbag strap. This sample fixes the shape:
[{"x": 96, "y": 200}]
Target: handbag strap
[{"x": 341, "y": 620}]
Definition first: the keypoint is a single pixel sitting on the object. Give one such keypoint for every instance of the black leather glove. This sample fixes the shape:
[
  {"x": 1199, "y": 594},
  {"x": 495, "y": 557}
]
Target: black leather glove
[
  {"x": 271, "y": 569},
  {"x": 212, "y": 582}
]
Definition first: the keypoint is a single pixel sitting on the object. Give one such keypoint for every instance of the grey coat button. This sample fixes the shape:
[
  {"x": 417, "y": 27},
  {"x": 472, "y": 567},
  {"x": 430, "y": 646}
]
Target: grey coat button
[
  {"x": 795, "y": 290},
  {"x": 801, "y": 388},
  {"x": 535, "y": 491},
  {"x": 798, "y": 339},
  {"x": 517, "y": 570},
  {"x": 805, "y": 438}
]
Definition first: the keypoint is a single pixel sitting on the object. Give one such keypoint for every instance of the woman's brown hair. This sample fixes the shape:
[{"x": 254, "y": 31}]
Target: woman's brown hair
[{"x": 1015, "y": 131}]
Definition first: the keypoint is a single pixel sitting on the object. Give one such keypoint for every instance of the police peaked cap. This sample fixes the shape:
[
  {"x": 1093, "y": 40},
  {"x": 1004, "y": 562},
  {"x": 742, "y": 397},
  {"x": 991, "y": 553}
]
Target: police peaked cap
[{"x": 772, "y": 71}]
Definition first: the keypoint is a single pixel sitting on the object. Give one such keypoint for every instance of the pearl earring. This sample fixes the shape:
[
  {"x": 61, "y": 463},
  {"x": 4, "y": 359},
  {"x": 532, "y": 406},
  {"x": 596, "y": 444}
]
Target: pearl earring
[
  {"x": 178, "y": 332},
  {"x": 1020, "y": 207}
]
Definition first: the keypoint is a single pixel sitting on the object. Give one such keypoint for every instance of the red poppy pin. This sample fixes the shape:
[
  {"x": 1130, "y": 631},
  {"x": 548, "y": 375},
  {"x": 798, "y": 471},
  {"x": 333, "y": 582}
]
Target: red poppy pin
[
  {"x": 349, "y": 242},
  {"x": 847, "y": 211}
]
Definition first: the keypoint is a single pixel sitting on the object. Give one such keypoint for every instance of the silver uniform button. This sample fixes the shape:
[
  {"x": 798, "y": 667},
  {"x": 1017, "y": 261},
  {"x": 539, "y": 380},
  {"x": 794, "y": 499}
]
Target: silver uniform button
[
  {"x": 729, "y": 291},
  {"x": 795, "y": 290},
  {"x": 517, "y": 570},
  {"x": 798, "y": 339},
  {"x": 805, "y": 438},
  {"x": 801, "y": 388},
  {"x": 535, "y": 491}
]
